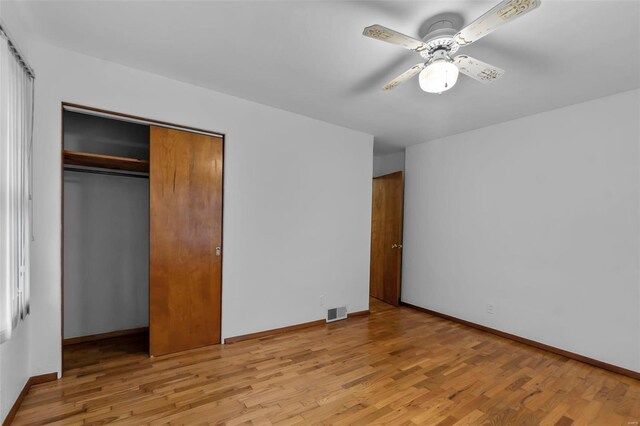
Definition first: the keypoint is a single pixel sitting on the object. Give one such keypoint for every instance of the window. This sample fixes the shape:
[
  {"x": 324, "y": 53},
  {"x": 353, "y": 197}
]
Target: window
[{"x": 16, "y": 129}]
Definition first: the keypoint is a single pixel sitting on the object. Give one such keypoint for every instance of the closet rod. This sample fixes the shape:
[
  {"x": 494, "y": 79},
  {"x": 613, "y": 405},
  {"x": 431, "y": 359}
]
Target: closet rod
[{"x": 104, "y": 172}]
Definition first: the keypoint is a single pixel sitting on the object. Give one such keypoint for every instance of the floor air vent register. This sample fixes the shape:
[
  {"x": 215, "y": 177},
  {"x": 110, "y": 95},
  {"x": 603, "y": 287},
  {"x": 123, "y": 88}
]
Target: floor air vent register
[{"x": 335, "y": 314}]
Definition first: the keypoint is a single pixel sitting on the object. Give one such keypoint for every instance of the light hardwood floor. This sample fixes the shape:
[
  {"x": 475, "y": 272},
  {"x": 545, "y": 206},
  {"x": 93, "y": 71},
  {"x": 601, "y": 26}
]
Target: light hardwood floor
[{"x": 396, "y": 366}]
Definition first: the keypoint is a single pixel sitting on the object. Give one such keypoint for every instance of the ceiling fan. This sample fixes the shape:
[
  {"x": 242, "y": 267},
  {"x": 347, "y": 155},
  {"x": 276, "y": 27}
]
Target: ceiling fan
[{"x": 440, "y": 71}]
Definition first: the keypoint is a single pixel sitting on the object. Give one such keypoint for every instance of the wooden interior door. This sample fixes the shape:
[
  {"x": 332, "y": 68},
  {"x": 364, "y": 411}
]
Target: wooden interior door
[
  {"x": 386, "y": 237},
  {"x": 185, "y": 271}
]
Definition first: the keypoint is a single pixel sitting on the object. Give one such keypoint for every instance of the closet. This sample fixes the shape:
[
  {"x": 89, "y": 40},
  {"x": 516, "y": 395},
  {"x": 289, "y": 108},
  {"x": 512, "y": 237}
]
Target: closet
[{"x": 142, "y": 231}]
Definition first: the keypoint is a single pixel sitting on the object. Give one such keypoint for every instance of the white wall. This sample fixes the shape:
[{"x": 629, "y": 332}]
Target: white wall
[
  {"x": 292, "y": 231},
  {"x": 388, "y": 163},
  {"x": 538, "y": 216},
  {"x": 14, "y": 354},
  {"x": 14, "y": 367},
  {"x": 106, "y": 245}
]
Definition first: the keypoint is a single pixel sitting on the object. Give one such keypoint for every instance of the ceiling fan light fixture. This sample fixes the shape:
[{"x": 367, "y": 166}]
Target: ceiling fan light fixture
[{"x": 439, "y": 76}]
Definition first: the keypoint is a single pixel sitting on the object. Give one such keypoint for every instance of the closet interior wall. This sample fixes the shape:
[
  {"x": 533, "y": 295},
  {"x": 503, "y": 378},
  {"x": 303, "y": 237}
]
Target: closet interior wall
[{"x": 106, "y": 230}]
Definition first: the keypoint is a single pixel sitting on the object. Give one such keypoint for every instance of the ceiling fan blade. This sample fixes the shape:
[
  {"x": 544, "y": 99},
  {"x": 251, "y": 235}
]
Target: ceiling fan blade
[
  {"x": 390, "y": 36},
  {"x": 477, "y": 70},
  {"x": 411, "y": 72},
  {"x": 503, "y": 13}
]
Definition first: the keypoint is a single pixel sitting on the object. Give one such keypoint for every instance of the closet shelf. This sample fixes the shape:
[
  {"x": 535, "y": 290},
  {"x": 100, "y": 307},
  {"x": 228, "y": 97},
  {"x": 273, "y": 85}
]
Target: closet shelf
[{"x": 76, "y": 158}]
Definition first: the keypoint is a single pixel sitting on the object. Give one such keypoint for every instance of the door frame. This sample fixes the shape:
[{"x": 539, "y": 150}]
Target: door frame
[{"x": 73, "y": 107}]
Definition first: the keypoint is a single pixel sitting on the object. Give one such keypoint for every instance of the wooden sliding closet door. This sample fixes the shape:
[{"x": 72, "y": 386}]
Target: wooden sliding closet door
[{"x": 185, "y": 271}]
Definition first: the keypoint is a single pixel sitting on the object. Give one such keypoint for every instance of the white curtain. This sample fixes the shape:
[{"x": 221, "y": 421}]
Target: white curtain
[{"x": 16, "y": 129}]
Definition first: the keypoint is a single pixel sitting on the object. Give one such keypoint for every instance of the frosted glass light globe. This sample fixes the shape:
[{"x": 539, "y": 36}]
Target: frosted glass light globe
[{"x": 439, "y": 76}]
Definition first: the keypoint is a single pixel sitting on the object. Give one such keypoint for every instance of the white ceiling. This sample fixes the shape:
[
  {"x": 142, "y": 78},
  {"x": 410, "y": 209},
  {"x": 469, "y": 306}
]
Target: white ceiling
[{"x": 309, "y": 57}]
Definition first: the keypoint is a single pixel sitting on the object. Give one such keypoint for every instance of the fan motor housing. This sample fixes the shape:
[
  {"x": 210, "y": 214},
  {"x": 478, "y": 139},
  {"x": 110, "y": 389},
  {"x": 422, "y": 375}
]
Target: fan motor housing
[{"x": 441, "y": 38}]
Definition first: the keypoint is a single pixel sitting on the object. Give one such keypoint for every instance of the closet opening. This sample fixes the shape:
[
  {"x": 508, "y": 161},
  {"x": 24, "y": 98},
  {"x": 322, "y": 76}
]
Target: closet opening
[
  {"x": 105, "y": 239},
  {"x": 141, "y": 238}
]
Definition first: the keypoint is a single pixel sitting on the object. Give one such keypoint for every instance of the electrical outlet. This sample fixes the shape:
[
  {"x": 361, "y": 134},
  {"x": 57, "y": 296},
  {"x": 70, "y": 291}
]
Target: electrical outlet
[
  {"x": 321, "y": 300},
  {"x": 490, "y": 308}
]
